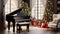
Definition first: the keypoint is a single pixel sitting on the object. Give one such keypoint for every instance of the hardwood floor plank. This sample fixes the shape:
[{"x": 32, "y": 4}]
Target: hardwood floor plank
[{"x": 33, "y": 30}]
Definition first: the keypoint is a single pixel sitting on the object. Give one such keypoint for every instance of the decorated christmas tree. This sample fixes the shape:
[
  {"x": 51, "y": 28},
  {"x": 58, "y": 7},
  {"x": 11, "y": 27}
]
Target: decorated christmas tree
[{"x": 48, "y": 14}]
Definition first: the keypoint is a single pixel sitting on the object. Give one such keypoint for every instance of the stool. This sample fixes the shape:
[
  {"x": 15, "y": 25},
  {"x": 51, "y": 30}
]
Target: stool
[{"x": 22, "y": 24}]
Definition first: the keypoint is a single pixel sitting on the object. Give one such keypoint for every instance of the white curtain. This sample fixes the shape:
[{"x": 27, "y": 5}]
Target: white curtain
[
  {"x": 34, "y": 8},
  {"x": 41, "y": 8},
  {"x": 38, "y": 8}
]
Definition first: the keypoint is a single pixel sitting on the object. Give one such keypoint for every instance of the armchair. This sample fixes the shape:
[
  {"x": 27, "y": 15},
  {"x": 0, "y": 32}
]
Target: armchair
[{"x": 56, "y": 21}]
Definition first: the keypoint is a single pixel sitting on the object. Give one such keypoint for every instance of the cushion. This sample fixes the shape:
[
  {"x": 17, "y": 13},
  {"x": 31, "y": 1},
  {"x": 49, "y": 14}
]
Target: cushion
[{"x": 55, "y": 20}]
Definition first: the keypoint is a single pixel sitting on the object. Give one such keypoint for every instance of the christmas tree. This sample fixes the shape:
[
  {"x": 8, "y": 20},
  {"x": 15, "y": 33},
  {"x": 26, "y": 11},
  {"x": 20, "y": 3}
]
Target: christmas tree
[{"x": 48, "y": 14}]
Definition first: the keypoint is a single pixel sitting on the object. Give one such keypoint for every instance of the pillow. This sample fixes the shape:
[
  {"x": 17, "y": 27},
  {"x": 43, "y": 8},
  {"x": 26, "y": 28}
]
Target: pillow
[{"x": 55, "y": 20}]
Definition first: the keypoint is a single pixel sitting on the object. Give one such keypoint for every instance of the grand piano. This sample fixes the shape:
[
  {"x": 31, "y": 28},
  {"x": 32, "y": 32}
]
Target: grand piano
[{"x": 10, "y": 17}]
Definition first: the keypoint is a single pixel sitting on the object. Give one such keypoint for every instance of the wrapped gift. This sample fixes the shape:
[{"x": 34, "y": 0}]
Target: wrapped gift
[
  {"x": 38, "y": 24},
  {"x": 33, "y": 21},
  {"x": 45, "y": 24}
]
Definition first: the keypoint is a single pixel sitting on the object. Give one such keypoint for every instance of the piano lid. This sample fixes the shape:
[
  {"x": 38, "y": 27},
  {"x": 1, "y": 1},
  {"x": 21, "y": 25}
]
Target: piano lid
[{"x": 14, "y": 12}]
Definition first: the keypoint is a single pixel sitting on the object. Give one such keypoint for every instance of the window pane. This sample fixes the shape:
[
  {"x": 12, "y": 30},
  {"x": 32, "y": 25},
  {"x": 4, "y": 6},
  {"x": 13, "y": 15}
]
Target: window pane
[{"x": 10, "y": 6}]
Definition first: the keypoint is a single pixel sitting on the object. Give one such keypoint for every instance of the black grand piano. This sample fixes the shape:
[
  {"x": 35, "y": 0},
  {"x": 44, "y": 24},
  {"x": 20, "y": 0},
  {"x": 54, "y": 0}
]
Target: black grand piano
[{"x": 10, "y": 17}]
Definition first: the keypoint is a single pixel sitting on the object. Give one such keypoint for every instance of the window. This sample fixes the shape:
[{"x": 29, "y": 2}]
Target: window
[
  {"x": 10, "y": 6},
  {"x": 38, "y": 8}
]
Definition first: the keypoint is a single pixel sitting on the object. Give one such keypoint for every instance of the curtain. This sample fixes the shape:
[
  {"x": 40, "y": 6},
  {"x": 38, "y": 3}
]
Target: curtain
[{"x": 38, "y": 8}]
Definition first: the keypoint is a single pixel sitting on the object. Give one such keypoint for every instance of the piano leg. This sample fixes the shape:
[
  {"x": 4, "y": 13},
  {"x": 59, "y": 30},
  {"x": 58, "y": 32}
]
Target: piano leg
[
  {"x": 28, "y": 27},
  {"x": 13, "y": 25},
  {"x": 8, "y": 25}
]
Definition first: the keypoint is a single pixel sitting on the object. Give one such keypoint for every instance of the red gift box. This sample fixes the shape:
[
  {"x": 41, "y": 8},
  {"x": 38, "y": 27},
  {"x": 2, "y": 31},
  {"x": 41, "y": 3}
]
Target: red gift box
[
  {"x": 38, "y": 24},
  {"x": 45, "y": 24}
]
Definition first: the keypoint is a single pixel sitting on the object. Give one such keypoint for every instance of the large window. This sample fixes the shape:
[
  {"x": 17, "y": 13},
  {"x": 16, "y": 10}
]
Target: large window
[
  {"x": 10, "y": 6},
  {"x": 38, "y": 8}
]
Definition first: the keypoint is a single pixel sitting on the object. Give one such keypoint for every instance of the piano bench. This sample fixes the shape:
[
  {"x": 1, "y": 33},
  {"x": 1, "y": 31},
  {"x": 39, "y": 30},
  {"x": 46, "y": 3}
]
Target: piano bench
[{"x": 22, "y": 24}]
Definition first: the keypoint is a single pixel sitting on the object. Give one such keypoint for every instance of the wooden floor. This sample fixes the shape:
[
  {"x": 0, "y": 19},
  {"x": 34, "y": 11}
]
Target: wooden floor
[{"x": 33, "y": 30}]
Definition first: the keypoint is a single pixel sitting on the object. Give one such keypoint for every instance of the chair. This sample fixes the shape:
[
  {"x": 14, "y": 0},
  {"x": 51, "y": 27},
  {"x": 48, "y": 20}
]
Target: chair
[
  {"x": 56, "y": 21},
  {"x": 22, "y": 22}
]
